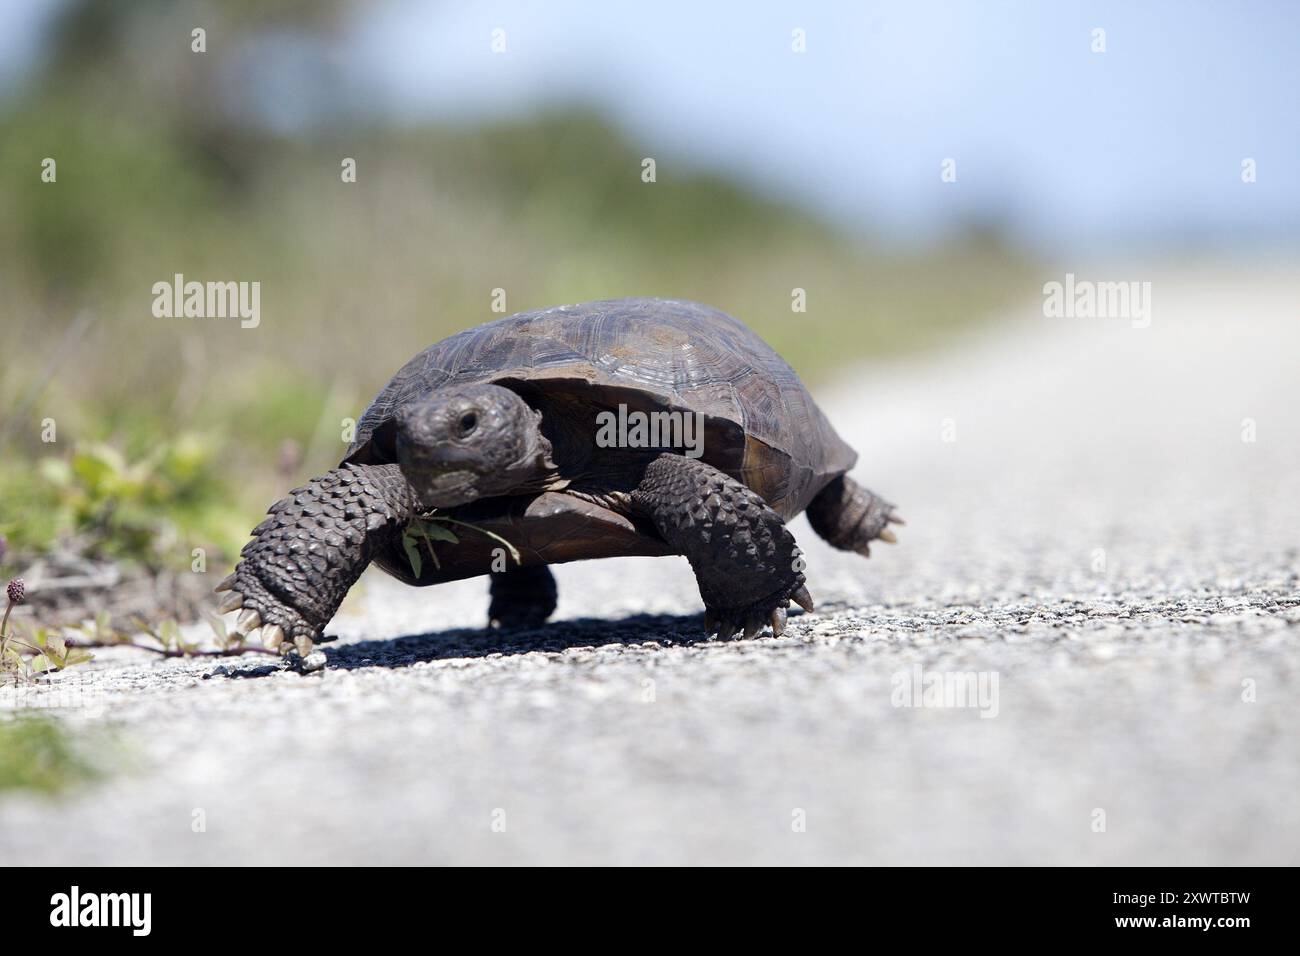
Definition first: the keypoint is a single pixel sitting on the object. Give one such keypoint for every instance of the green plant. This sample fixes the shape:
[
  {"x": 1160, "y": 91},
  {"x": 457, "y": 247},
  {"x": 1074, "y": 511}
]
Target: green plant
[
  {"x": 134, "y": 509},
  {"x": 33, "y": 649},
  {"x": 37, "y": 754},
  {"x": 42, "y": 649},
  {"x": 39, "y": 648},
  {"x": 430, "y": 528}
]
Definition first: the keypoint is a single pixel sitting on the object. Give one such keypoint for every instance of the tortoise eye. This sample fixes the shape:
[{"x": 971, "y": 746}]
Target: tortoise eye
[{"x": 468, "y": 422}]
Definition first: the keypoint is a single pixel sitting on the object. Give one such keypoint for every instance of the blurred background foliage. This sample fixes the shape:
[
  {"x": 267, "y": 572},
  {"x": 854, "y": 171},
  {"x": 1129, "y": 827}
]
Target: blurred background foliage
[
  {"x": 38, "y": 754},
  {"x": 177, "y": 433}
]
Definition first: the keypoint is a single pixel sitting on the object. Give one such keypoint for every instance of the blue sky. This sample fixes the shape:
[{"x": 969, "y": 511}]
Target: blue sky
[{"x": 1138, "y": 146}]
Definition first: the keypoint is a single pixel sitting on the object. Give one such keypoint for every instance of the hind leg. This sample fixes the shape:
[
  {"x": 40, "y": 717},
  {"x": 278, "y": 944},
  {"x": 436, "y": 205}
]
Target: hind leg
[
  {"x": 850, "y": 517},
  {"x": 522, "y": 598}
]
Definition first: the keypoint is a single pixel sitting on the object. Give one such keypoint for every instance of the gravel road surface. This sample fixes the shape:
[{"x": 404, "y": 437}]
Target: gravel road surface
[{"x": 1095, "y": 547}]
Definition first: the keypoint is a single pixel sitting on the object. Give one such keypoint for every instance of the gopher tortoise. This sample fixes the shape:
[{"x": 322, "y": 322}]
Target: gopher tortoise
[{"x": 625, "y": 427}]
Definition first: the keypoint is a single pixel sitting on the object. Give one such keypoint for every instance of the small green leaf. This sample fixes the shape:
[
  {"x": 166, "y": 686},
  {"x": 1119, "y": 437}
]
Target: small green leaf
[
  {"x": 438, "y": 532},
  {"x": 32, "y": 634},
  {"x": 514, "y": 552},
  {"x": 56, "y": 471},
  {"x": 77, "y": 656},
  {"x": 412, "y": 549},
  {"x": 216, "y": 623}
]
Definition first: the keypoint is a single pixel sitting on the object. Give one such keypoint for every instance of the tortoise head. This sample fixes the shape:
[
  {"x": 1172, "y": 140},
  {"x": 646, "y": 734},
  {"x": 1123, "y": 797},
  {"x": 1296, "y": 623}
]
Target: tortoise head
[{"x": 463, "y": 443}]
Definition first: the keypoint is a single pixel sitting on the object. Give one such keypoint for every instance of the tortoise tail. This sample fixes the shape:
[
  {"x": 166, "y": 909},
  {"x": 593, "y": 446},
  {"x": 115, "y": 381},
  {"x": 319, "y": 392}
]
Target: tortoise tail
[{"x": 850, "y": 517}]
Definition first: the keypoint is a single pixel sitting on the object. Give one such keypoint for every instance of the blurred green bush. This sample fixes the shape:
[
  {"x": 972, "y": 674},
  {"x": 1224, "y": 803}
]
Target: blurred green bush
[{"x": 154, "y": 179}]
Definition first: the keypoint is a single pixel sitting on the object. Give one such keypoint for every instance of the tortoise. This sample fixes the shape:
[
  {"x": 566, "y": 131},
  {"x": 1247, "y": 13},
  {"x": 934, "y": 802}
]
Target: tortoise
[{"x": 506, "y": 428}]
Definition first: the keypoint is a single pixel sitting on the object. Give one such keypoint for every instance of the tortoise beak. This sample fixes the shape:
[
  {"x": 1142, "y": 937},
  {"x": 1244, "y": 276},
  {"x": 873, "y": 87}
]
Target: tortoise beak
[{"x": 448, "y": 489}]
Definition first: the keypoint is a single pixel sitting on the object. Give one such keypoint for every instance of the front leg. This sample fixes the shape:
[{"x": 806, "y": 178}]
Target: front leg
[
  {"x": 745, "y": 560},
  {"x": 311, "y": 549}
]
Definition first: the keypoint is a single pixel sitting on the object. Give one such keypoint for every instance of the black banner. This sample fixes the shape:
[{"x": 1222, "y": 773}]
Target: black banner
[{"x": 1222, "y": 907}]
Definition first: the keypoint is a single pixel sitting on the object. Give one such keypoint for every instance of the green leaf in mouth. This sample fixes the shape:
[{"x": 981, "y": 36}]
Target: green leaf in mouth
[
  {"x": 412, "y": 549},
  {"x": 431, "y": 529},
  {"x": 434, "y": 528}
]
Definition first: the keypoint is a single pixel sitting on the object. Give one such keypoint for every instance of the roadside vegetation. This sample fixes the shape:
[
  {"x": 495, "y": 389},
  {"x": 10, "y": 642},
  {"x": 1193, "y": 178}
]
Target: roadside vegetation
[{"x": 138, "y": 442}]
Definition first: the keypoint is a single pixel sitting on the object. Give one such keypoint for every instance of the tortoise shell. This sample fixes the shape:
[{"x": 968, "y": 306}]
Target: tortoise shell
[{"x": 760, "y": 424}]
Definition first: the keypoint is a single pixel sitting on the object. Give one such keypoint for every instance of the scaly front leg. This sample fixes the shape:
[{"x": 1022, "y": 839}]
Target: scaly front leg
[
  {"x": 311, "y": 549},
  {"x": 746, "y": 562}
]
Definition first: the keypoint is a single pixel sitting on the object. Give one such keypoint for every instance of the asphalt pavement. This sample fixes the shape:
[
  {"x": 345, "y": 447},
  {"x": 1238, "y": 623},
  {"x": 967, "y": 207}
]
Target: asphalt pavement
[{"x": 1084, "y": 649}]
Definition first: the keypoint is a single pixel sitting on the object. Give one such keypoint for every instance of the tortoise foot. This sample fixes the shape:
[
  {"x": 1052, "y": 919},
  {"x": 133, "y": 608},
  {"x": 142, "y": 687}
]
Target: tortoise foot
[
  {"x": 850, "y": 517},
  {"x": 522, "y": 599},
  {"x": 750, "y": 621},
  {"x": 746, "y": 562},
  {"x": 517, "y": 618},
  {"x": 263, "y": 617},
  {"x": 294, "y": 573}
]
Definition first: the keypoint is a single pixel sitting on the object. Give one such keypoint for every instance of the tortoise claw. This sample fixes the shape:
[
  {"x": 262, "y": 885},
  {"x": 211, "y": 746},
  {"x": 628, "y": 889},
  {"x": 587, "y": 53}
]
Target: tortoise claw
[
  {"x": 262, "y": 619},
  {"x": 750, "y": 621},
  {"x": 803, "y": 598},
  {"x": 226, "y": 584},
  {"x": 272, "y": 637},
  {"x": 778, "y": 621}
]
